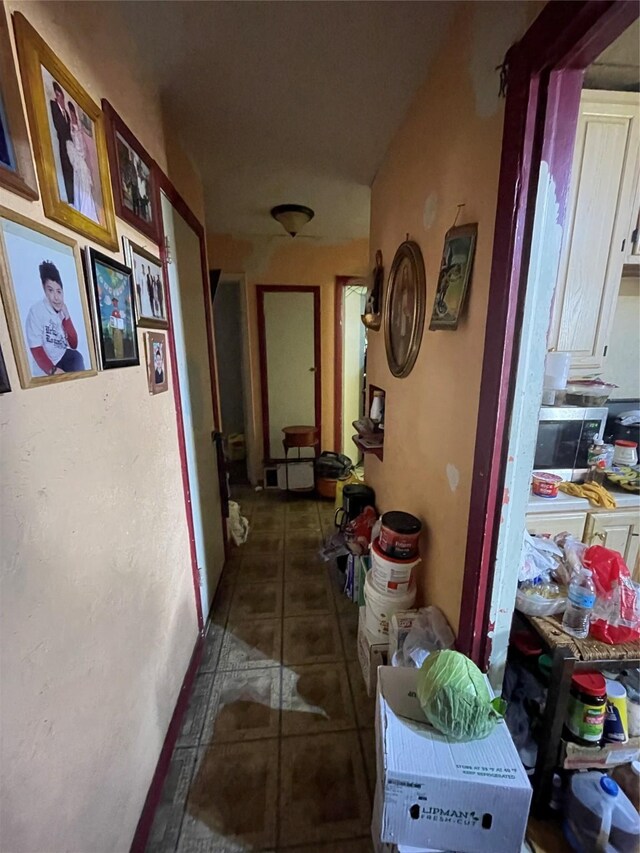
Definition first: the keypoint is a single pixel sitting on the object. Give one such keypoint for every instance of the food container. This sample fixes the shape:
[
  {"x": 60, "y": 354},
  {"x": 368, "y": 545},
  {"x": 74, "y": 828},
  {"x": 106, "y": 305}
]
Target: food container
[
  {"x": 389, "y": 574},
  {"x": 600, "y": 452},
  {"x": 545, "y": 485},
  {"x": 615, "y": 720},
  {"x": 587, "y": 704},
  {"x": 380, "y": 606},
  {"x": 625, "y": 453},
  {"x": 399, "y": 535},
  {"x": 587, "y": 392}
]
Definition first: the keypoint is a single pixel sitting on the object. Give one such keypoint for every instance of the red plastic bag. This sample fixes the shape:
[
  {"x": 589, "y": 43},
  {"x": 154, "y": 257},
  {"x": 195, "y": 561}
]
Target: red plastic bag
[{"x": 616, "y": 614}]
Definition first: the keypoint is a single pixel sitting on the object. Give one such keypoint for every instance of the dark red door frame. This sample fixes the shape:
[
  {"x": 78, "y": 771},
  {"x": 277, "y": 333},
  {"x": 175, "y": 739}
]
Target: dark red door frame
[
  {"x": 544, "y": 77},
  {"x": 261, "y": 289}
]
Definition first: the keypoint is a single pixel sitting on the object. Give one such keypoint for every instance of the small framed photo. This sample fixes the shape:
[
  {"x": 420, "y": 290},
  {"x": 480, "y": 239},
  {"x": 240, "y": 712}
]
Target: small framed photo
[
  {"x": 133, "y": 178},
  {"x": 45, "y": 302},
  {"x": 151, "y": 295},
  {"x": 16, "y": 166},
  {"x": 454, "y": 277},
  {"x": 5, "y": 385},
  {"x": 68, "y": 140},
  {"x": 155, "y": 346},
  {"x": 112, "y": 299}
]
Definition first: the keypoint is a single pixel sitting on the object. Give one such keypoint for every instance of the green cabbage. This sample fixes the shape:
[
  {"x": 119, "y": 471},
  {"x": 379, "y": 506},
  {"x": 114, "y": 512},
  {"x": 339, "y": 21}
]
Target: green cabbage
[{"x": 455, "y": 698}]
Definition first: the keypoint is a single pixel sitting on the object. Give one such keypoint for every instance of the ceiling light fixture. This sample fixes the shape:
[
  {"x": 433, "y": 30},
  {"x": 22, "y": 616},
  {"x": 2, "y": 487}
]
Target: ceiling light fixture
[{"x": 292, "y": 217}]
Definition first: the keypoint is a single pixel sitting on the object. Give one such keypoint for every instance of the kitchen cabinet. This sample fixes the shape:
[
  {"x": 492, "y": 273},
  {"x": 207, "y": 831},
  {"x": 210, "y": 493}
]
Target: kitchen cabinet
[
  {"x": 633, "y": 238},
  {"x": 553, "y": 523},
  {"x": 598, "y": 227},
  {"x": 620, "y": 531}
]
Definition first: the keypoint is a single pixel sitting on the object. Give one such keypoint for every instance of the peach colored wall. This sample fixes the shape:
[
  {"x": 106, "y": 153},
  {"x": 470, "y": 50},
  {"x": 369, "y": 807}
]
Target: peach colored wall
[
  {"x": 98, "y": 615},
  {"x": 286, "y": 261},
  {"x": 447, "y": 152}
]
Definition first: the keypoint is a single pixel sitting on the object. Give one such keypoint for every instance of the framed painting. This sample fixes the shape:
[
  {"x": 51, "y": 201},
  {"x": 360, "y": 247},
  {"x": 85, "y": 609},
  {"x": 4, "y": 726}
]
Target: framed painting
[
  {"x": 5, "y": 385},
  {"x": 16, "y": 166},
  {"x": 454, "y": 276},
  {"x": 155, "y": 345},
  {"x": 150, "y": 291},
  {"x": 69, "y": 141},
  {"x": 404, "y": 309},
  {"x": 135, "y": 190},
  {"x": 45, "y": 302},
  {"x": 112, "y": 300}
]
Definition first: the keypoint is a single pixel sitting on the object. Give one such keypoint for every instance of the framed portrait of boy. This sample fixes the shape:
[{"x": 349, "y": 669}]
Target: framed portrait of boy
[
  {"x": 16, "y": 165},
  {"x": 155, "y": 346},
  {"x": 45, "y": 302},
  {"x": 112, "y": 302},
  {"x": 133, "y": 177},
  {"x": 68, "y": 140},
  {"x": 151, "y": 295}
]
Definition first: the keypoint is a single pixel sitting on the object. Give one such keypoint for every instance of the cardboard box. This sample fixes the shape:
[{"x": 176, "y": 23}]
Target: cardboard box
[
  {"x": 471, "y": 797},
  {"x": 357, "y": 568},
  {"x": 372, "y": 653},
  {"x": 376, "y": 829}
]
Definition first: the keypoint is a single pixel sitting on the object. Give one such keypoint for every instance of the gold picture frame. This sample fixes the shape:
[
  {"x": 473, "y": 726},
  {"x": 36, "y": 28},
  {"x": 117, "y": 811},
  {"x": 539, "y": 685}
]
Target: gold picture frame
[
  {"x": 404, "y": 309},
  {"x": 74, "y": 169},
  {"x": 157, "y": 361},
  {"x": 25, "y": 246}
]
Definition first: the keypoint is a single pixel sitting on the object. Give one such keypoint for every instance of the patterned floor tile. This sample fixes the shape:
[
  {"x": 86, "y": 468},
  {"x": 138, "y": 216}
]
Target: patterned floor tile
[
  {"x": 251, "y": 644},
  {"x": 232, "y": 804},
  {"x": 308, "y": 597},
  {"x": 303, "y": 564},
  {"x": 259, "y": 568},
  {"x": 365, "y": 706},
  {"x": 316, "y": 698},
  {"x": 267, "y": 522},
  {"x": 168, "y": 817},
  {"x": 323, "y": 789},
  {"x": 303, "y": 540},
  {"x": 264, "y": 543},
  {"x": 195, "y": 714},
  {"x": 349, "y": 631},
  {"x": 311, "y": 639},
  {"x": 243, "y": 706},
  {"x": 256, "y": 601}
]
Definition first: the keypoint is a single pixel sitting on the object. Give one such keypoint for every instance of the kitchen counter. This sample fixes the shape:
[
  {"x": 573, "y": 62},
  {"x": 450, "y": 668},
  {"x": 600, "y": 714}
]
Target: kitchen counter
[{"x": 567, "y": 503}]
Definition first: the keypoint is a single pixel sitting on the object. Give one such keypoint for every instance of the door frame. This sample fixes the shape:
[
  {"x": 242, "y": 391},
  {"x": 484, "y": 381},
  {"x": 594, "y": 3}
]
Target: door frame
[
  {"x": 544, "y": 73},
  {"x": 261, "y": 289},
  {"x": 342, "y": 282}
]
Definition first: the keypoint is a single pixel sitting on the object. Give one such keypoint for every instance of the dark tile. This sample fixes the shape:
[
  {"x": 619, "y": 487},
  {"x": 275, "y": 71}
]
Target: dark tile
[
  {"x": 311, "y": 639},
  {"x": 256, "y": 601},
  {"x": 308, "y": 596},
  {"x": 258, "y": 568},
  {"x": 316, "y": 698},
  {"x": 337, "y": 581},
  {"x": 252, "y": 644},
  {"x": 232, "y": 804},
  {"x": 355, "y": 845},
  {"x": 303, "y": 540},
  {"x": 303, "y": 564},
  {"x": 212, "y": 645},
  {"x": 303, "y": 521},
  {"x": 365, "y": 705},
  {"x": 323, "y": 789},
  {"x": 267, "y": 522},
  {"x": 244, "y": 705},
  {"x": 222, "y": 602},
  {"x": 264, "y": 543},
  {"x": 368, "y": 741},
  {"x": 349, "y": 631},
  {"x": 165, "y": 828},
  {"x": 195, "y": 713}
]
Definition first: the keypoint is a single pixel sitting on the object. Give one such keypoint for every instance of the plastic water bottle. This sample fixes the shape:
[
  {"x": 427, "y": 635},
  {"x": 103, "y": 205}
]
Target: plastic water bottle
[{"x": 582, "y": 597}]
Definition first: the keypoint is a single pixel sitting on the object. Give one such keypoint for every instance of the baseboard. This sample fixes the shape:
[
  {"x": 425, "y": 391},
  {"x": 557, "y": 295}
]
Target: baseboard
[{"x": 155, "y": 788}]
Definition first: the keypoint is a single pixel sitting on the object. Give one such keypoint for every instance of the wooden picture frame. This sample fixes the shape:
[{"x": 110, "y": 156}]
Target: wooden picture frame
[
  {"x": 113, "y": 306},
  {"x": 151, "y": 295},
  {"x": 456, "y": 268},
  {"x": 131, "y": 165},
  {"x": 404, "y": 309},
  {"x": 16, "y": 163},
  {"x": 5, "y": 384},
  {"x": 68, "y": 140},
  {"x": 156, "y": 357},
  {"x": 46, "y": 348}
]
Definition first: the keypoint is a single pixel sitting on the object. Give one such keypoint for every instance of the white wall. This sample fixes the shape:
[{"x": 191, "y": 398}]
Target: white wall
[
  {"x": 622, "y": 366},
  {"x": 352, "y": 365}
]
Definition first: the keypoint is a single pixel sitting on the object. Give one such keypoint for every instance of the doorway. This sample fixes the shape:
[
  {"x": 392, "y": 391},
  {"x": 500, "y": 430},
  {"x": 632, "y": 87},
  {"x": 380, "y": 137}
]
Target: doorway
[
  {"x": 289, "y": 337},
  {"x": 184, "y": 275},
  {"x": 350, "y": 362}
]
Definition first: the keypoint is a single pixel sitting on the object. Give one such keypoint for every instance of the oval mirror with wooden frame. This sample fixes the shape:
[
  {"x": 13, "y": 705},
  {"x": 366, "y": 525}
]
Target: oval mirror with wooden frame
[{"x": 404, "y": 309}]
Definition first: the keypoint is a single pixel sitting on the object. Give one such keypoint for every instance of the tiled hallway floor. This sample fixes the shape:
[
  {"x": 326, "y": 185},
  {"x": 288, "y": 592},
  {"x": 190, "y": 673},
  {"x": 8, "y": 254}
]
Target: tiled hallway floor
[{"x": 277, "y": 747}]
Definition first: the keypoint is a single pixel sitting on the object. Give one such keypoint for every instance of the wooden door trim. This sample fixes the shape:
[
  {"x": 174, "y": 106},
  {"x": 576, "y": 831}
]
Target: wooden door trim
[{"x": 261, "y": 289}]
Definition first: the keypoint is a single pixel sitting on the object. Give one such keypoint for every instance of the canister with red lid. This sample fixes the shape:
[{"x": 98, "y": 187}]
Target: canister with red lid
[
  {"x": 400, "y": 535},
  {"x": 587, "y": 706}
]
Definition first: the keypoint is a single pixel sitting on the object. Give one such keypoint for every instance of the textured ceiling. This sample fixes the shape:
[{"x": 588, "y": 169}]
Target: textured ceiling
[{"x": 288, "y": 101}]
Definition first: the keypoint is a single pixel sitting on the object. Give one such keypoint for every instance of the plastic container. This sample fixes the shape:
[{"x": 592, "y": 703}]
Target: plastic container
[
  {"x": 587, "y": 705},
  {"x": 587, "y": 392},
  {"x": 536, "y": 598},
  {"x": 600, "y": 452},
  {"x": 625, "y": 453},
  {"x": 545, "y": 485},
  {"x": 581, "y": 598},
  {"x": 380, "y": 606},
  {"x": 615, "y": 720},
  {"x": 599, "y": 816},
  {"x": 388, "y": 574},
  {"x": 628, "y": 778},
  {"x": 400, "y": 535}
]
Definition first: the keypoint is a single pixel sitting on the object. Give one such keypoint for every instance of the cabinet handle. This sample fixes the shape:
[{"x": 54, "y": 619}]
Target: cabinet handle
[{"x": 598, "y": 534}]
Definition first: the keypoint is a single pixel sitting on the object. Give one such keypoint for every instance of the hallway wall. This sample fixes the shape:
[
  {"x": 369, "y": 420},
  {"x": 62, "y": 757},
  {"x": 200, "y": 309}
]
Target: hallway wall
[
  {"x": 282, "y": 260},
  {"x": 98, "y": 616},
  {"x": 446, "y": 152}
]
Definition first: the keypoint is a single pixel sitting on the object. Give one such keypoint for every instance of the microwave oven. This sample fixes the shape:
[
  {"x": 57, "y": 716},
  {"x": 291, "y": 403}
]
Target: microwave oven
[{"x": 564, "y": 436}]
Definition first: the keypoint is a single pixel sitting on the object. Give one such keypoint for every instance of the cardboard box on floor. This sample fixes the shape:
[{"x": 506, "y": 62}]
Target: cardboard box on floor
[
  {"x": 437, "y": 793},
  {"x": 372, "y": 653}
]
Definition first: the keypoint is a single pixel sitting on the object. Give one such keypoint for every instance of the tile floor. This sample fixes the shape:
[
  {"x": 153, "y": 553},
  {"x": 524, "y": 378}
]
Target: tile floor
[{"x": 277, "y": 747}]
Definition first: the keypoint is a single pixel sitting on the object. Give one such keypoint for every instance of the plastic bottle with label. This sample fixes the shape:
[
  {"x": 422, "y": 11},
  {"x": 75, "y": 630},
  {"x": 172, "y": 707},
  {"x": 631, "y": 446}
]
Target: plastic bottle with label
[{"x": 580, "y": 601}]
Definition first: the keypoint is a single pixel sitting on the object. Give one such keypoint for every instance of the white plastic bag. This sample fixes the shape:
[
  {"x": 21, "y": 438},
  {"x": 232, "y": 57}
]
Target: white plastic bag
[
  {"x": 237, "y": 525},
  {"x": 540, "y": 556},
  {"x": 429, "y": 633}
]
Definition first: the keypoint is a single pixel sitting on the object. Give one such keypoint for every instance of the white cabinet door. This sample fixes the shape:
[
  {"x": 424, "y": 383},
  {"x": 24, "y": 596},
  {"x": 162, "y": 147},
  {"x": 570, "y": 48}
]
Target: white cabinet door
[
  {"x": 597, "y": 227},
  {"x": 617, "y": 530},
  {"x": 552, "y": 523}
]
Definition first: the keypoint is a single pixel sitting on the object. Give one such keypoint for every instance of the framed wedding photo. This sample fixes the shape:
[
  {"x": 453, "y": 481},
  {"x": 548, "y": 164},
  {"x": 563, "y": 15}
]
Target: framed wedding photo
[
  {"x": 132, "y": 177},
  {"x": 68, "y": 140},
  {"x": 151, "y": 294},
  {"x": 111, "y": 286},
  {"x": 45, "y": 302},
  {"x": 155, "y": 346},
  {"x": 16, "y": 165}
]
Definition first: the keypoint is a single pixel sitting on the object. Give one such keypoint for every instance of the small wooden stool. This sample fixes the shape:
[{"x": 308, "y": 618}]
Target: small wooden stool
[{"x": 298, "y": 437}]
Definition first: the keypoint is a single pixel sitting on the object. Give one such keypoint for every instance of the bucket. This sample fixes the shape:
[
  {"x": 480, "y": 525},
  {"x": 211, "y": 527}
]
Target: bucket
[
  {"x": 380, "y": 606},
  {"x": 389, "y": 574},
  {"x": 399, "y": 535}
]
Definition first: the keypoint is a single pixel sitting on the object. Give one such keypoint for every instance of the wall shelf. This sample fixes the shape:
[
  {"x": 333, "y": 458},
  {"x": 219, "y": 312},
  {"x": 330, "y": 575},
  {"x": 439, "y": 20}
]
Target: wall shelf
[{"x": 376, "y": 451}]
